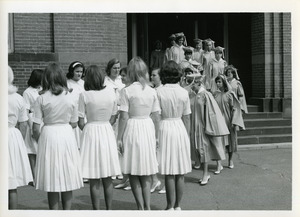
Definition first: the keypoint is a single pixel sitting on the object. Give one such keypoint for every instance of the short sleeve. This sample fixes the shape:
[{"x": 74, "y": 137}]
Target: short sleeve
[
  {"x": 37, "y": 111},
  {"x": 23, "y": 113},
  {"x": 187, "y": 106},
  {"x": 124, "y": 100},
  {"x": 74, "y": 116},
  {"x": 26, "y": 100},
  {"x": 155, "y": 105},
  {"x": 81, "y": 106}
]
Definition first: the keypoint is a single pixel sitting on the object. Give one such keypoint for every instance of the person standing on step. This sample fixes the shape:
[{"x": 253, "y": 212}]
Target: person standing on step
[
  {"x": 215, "y": 68},
  {"x": 236, "y": 86},
  {"x": 208, "y": 56},
  {"x": 177, "y": 52}
]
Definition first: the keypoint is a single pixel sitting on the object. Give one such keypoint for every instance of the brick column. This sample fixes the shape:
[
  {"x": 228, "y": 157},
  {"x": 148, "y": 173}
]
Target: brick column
[{"x": 271, "y": 60}]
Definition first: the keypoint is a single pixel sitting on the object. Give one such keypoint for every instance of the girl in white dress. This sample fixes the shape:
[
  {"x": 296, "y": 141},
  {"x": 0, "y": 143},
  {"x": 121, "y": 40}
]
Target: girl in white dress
[
  {"x": 30, "y": 95},
  {"x": 99, "y": 154},
  {"x": 75, "y": 84},
  {"x": 137, "y": 138},
  {"x": 19, "y": 173},
  {"x": 174, "y": 154},
  {"x": 58, "y": 160}
]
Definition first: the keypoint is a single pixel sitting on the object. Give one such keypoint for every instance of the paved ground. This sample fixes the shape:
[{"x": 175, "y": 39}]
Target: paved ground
[{"x": 261, "y": 180}]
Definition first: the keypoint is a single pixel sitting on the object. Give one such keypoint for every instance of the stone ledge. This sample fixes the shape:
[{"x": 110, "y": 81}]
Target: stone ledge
[
  {"x": 264, "y": 146},
  {"x": 35, "y": 57}
]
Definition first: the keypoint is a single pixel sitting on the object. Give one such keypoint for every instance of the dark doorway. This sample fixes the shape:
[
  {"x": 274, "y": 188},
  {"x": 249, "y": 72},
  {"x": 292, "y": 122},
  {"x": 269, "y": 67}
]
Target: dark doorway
[
  {"x": 239, "y": 45},
  {"x": 232, "y": 31}
]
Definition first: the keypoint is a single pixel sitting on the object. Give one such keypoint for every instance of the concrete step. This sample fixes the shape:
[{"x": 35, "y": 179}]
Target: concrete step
[
  {"x": 262, "y": 115},
  {"x": 252, "y": 123},
  {"x": 253, "y": 108},
  {"x": 264, "y": 139},
  {"x": 266, "y": 131}
]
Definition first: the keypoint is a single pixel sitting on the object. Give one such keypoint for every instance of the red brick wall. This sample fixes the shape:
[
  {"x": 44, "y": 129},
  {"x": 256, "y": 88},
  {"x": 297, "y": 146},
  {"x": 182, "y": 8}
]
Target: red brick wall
[
  {"x": 92, "y": 38},
  {"x": 33, "y": 33}
]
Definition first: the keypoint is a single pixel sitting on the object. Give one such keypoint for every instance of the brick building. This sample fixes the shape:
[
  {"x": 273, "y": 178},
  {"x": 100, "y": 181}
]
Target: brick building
[{"x": 258, "y": 44}]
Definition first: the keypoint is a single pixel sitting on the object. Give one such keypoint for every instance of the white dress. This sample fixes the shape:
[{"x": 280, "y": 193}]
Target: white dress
[
  {"x": 99, "y": 154},
  {"x": 58, "y": 160},
  {"x": 19, "y": 172},
  {"x": 174, "y": 155},
  {"x": 78, "y": 87},
  {"x": 30, "y": 95},
  {"x": 139, "y": 157}
]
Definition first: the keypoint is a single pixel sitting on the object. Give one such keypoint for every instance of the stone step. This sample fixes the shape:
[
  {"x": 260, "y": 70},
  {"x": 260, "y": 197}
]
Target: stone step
[
  {"x": 262, "y": 115},
  {"x": 266, "y": 131},
  {"x": 253, "y": 108},
  {"x": 264, "y": 139},
  {"x": 252, "y": 123}
]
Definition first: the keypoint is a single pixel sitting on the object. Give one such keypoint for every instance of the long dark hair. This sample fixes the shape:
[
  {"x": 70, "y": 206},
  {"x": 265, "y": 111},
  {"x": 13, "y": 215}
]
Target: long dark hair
[
  {"x": 54, "y": 80},
  {"x": 94, "y": 78}
]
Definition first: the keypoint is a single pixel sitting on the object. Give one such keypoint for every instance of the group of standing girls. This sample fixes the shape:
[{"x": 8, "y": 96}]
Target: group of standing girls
[
  {"x": 217, "y": 102},
  {"x": 152, "y": 134}
]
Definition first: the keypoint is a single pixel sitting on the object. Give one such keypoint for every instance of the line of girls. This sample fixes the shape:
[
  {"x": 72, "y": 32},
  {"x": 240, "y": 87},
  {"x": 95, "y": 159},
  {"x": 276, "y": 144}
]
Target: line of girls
[
  {"x": 216, "y": 94},
  {"x": 152, "y": 134}
]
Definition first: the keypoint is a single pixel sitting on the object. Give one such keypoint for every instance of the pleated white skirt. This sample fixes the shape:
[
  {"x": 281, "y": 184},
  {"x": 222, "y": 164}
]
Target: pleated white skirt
[
  {"x": 30, "y": 143},
  {"x": 174, "y": 156},
  {"x": 19, "y": 172},
  {"x": 58, "y": 166},
  {"x": 139, "y": 142},
  {"x": 99, "y": 153}
]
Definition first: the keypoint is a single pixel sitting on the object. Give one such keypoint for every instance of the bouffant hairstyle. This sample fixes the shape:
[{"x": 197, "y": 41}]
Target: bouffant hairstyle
[
  {"x": 224, "y": 81},
  {"x": 72, "y": 67},
  {"x": 170, "y": 73},
  {"x": 54, "y": 80},
  {"x": 94, "y": 78},
  {"x": 110, "y": 64},
  {"x": 35, "y": 78}
]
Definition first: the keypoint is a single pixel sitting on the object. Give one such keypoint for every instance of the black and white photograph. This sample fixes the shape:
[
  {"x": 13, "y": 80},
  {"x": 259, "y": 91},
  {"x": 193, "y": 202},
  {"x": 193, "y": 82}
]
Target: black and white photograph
[{"x": 188, "y": 108}]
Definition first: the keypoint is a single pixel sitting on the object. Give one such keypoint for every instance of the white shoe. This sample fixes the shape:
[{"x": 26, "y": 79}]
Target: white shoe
[
  {"x": 113, "y": 177},
  {"x": 85, "y": 180},
  {"x": 204, "y": 182},
  {"x": 122, "y": 185},
  {"x": 158, "y": 183},
  {"x": 162, "y": 191},
  {"x": 177, "y": 208},
  {"x": 218, "y": 171},
  {"x": 120, "y": 177},
  {"x": 128, "y": 188}
]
